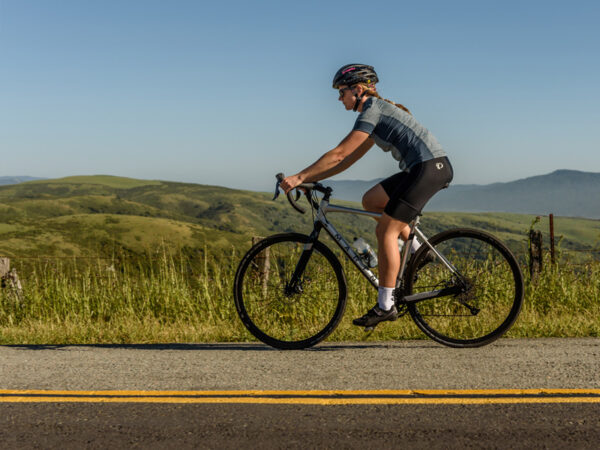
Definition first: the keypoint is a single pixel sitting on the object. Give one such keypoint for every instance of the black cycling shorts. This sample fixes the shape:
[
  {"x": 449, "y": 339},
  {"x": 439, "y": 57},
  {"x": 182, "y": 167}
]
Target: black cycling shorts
[{"x": 409, "y": 191}]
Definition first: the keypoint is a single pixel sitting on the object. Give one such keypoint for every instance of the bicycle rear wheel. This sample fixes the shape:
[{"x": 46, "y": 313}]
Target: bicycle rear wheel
[
  {"x": 491, "y": 283},
  {"x": 283, "y": 315}
]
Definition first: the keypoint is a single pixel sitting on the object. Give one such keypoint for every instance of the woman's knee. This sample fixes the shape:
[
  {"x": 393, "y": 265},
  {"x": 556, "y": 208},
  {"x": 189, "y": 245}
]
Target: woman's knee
[
  {"x": 389, "y": 227},
  {"x": 382, "y": 229}
]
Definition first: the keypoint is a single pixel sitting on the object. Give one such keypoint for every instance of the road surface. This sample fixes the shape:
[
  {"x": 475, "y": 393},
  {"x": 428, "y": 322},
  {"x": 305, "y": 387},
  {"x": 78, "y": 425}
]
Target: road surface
[{"x": 415, "y": 394}]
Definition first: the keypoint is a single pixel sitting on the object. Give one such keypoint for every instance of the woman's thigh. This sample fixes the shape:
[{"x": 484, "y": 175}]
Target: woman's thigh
[{"x": 375, "y": 199}]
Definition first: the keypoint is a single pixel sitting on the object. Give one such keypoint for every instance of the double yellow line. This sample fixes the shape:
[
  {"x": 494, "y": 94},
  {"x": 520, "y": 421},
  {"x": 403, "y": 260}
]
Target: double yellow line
[{"x": 311, "y": 397}]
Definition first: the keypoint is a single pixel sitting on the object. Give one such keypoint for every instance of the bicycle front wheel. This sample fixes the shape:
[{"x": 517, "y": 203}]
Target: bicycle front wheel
[
  {"x": 491, "y": 288},
  {"x": 284, "y": 311}
]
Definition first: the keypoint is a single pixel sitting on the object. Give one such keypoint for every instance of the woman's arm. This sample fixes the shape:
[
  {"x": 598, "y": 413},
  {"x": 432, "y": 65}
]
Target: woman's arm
[{"x": 351, "y": 149}]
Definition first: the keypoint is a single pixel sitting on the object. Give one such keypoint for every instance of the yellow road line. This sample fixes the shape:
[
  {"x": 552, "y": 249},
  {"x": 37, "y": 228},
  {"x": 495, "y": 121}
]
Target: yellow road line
[
  {"x": 309, "y": 397},
  {"x": 308, "y": 392},
  {"x": 306, "y": 401}
]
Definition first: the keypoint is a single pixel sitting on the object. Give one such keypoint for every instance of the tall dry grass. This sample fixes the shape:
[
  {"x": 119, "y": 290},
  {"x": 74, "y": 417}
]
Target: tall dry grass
[{"x": 177, "y": 298}]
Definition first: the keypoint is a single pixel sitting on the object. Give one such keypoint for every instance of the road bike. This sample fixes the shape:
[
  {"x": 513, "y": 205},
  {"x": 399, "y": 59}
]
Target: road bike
[{"x": 462, "y": 287}]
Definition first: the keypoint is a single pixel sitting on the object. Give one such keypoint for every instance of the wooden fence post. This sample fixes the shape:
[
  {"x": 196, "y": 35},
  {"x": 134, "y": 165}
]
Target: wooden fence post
[
  {"x": 9, "y": 278},
  {"x": 552, "y": 255},
  {"x": 264, "y": 264},
  {"x": 4, "y": 267},
  {"x": 535, "y": 252}
]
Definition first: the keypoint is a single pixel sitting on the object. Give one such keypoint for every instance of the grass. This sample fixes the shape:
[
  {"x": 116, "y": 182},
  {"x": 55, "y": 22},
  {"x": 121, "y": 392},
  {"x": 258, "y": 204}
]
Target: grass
[{"x": 162, "y": 297}]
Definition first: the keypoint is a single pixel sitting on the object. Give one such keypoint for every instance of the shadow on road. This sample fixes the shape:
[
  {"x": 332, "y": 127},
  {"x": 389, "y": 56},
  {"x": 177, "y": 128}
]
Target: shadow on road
[{"x": 225, "y": 346}]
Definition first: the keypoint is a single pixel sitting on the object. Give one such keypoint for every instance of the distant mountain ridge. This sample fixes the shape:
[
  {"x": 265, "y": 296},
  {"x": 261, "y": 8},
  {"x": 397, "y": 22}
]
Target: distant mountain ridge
[
  {"x": 563, "y": 192},
  {"x": 16, "y": 180}
]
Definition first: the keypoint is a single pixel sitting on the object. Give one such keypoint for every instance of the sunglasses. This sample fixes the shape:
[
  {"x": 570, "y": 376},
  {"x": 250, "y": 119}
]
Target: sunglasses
[{"x": 342, "y": 90}]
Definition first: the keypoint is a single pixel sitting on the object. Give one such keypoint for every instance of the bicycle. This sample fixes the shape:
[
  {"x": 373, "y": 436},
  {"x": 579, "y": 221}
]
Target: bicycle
[{"x": 462, "y": 287}]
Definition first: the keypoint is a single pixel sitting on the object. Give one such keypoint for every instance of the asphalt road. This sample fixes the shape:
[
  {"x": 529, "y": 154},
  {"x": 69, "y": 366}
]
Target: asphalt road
[
  {"x": 411, "y": 365},
  {"x": 285, "y": 426}
]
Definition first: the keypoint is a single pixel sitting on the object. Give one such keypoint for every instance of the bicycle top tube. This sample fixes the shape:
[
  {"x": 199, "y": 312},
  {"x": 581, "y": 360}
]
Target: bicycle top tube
[{"x": 325, "y": 206}]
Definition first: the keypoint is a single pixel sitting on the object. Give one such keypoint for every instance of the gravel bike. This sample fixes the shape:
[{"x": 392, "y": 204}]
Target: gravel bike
[{"x": 462, "y": 287}]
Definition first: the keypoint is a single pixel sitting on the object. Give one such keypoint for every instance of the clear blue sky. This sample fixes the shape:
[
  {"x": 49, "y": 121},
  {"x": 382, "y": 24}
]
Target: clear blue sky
[{"x": 232, "y": 92}]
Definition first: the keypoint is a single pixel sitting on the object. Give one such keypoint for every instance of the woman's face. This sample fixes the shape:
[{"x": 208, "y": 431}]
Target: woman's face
[{"x": 347, "y": 97}]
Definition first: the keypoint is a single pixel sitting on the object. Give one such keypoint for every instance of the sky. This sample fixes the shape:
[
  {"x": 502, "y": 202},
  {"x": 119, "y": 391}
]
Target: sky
[{"x": 230, "y": 93}]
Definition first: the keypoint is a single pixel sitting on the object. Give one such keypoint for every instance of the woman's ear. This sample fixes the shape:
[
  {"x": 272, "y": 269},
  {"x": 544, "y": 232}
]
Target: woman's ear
[{"x": 358, "y": 90}]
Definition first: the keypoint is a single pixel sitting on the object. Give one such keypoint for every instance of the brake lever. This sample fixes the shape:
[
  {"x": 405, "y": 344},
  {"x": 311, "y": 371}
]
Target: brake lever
[
  {"x": 276, "y": 190},
  {"x": 279, "y": 178}
]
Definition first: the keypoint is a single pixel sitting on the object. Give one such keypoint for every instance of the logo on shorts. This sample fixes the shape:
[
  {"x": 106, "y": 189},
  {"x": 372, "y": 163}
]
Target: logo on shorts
[{"x": 439, "y": 166}]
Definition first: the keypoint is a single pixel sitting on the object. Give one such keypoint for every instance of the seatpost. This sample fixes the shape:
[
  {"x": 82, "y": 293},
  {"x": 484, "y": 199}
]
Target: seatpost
[{"x": 406, "y": 250}]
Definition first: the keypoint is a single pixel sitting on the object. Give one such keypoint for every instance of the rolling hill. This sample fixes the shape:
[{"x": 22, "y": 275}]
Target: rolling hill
[{"x": 96, "y": 215}]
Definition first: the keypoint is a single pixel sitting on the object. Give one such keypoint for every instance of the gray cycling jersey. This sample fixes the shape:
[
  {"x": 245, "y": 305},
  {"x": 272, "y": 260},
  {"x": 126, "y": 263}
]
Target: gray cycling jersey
[{"x": 395, "y": 130}]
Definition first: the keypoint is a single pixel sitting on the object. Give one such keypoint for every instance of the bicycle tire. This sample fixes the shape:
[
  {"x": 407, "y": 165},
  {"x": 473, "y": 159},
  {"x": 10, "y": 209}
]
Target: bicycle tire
[
  {"x": 495, "y": 289},
  {"x": 282, "y": 319}
]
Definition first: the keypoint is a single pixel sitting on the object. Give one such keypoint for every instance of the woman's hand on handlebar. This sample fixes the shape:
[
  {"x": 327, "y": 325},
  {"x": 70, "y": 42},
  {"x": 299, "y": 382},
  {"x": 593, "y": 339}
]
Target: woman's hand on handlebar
[{"x": 291, "y": 182}]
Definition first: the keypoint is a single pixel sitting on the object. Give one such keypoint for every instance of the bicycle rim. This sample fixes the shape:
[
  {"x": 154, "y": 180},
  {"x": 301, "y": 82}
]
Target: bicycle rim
[
  {"x": 491, "y": 300},
  {"x": 284, "y": 318}
]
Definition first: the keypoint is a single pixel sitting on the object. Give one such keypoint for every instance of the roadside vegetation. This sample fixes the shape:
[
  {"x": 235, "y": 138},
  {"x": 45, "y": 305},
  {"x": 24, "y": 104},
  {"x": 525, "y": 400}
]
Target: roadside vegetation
[
  {"x": 113, "y": 260},
  {"x": 188, "y": 298}
]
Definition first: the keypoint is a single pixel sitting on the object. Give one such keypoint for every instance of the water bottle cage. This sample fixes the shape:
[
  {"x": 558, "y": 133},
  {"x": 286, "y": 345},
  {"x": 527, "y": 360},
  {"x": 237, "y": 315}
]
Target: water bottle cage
[
  {"x": 368, "y": 259},
  {"x": 364, "y": 255}
]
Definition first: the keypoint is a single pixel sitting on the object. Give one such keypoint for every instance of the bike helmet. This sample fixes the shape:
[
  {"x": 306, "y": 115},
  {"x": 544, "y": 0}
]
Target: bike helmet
[{"x": 351, "y": 74}]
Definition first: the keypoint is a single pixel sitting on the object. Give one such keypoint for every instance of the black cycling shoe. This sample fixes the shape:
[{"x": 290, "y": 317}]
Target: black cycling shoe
[{"x": 376, "y": 315}]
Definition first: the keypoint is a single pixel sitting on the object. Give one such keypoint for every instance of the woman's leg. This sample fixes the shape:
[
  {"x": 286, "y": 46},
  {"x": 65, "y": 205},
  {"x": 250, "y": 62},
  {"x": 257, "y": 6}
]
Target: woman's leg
[
  {"x": 375, "y": 200},
  {"x": 402, "y": 195},
  {"x": 387, "y": 231}
]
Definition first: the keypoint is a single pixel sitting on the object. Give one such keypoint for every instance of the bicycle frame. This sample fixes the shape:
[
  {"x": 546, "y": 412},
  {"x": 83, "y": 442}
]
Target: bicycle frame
[{"x": 322, "y": 222}]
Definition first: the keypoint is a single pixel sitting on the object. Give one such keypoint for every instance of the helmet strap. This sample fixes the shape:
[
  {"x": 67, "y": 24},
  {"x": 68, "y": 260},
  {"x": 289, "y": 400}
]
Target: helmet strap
[{"x": 357, "y": 102}]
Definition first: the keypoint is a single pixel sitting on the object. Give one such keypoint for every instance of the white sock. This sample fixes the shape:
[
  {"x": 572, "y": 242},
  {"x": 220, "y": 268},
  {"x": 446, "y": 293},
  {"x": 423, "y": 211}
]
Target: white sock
[{"x": 385, "y": 298}]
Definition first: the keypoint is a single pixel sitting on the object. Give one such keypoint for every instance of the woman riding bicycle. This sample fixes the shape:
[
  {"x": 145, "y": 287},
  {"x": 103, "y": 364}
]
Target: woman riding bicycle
[{"x": 425, "y": 170}]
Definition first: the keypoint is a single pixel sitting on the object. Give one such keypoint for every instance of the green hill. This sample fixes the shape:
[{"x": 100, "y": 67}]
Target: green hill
[{"x": 94, "y": 215}]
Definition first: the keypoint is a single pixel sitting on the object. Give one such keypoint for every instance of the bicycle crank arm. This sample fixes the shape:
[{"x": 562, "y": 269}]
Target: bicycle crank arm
[{"x": 421, "y": 296}]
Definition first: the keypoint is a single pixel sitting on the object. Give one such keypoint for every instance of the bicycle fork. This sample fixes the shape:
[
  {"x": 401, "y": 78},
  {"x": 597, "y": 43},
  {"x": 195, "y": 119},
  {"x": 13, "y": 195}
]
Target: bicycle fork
[{"x": 294, "y": 286}]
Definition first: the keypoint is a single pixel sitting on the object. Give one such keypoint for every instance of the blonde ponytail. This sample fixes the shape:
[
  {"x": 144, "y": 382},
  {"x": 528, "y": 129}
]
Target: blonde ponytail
[{"x": 371, "y": 91}]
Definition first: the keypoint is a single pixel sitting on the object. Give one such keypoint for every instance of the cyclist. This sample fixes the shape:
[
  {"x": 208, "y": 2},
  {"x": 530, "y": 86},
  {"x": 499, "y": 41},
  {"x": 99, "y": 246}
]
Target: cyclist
[{"x": 425, "y": 170}]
